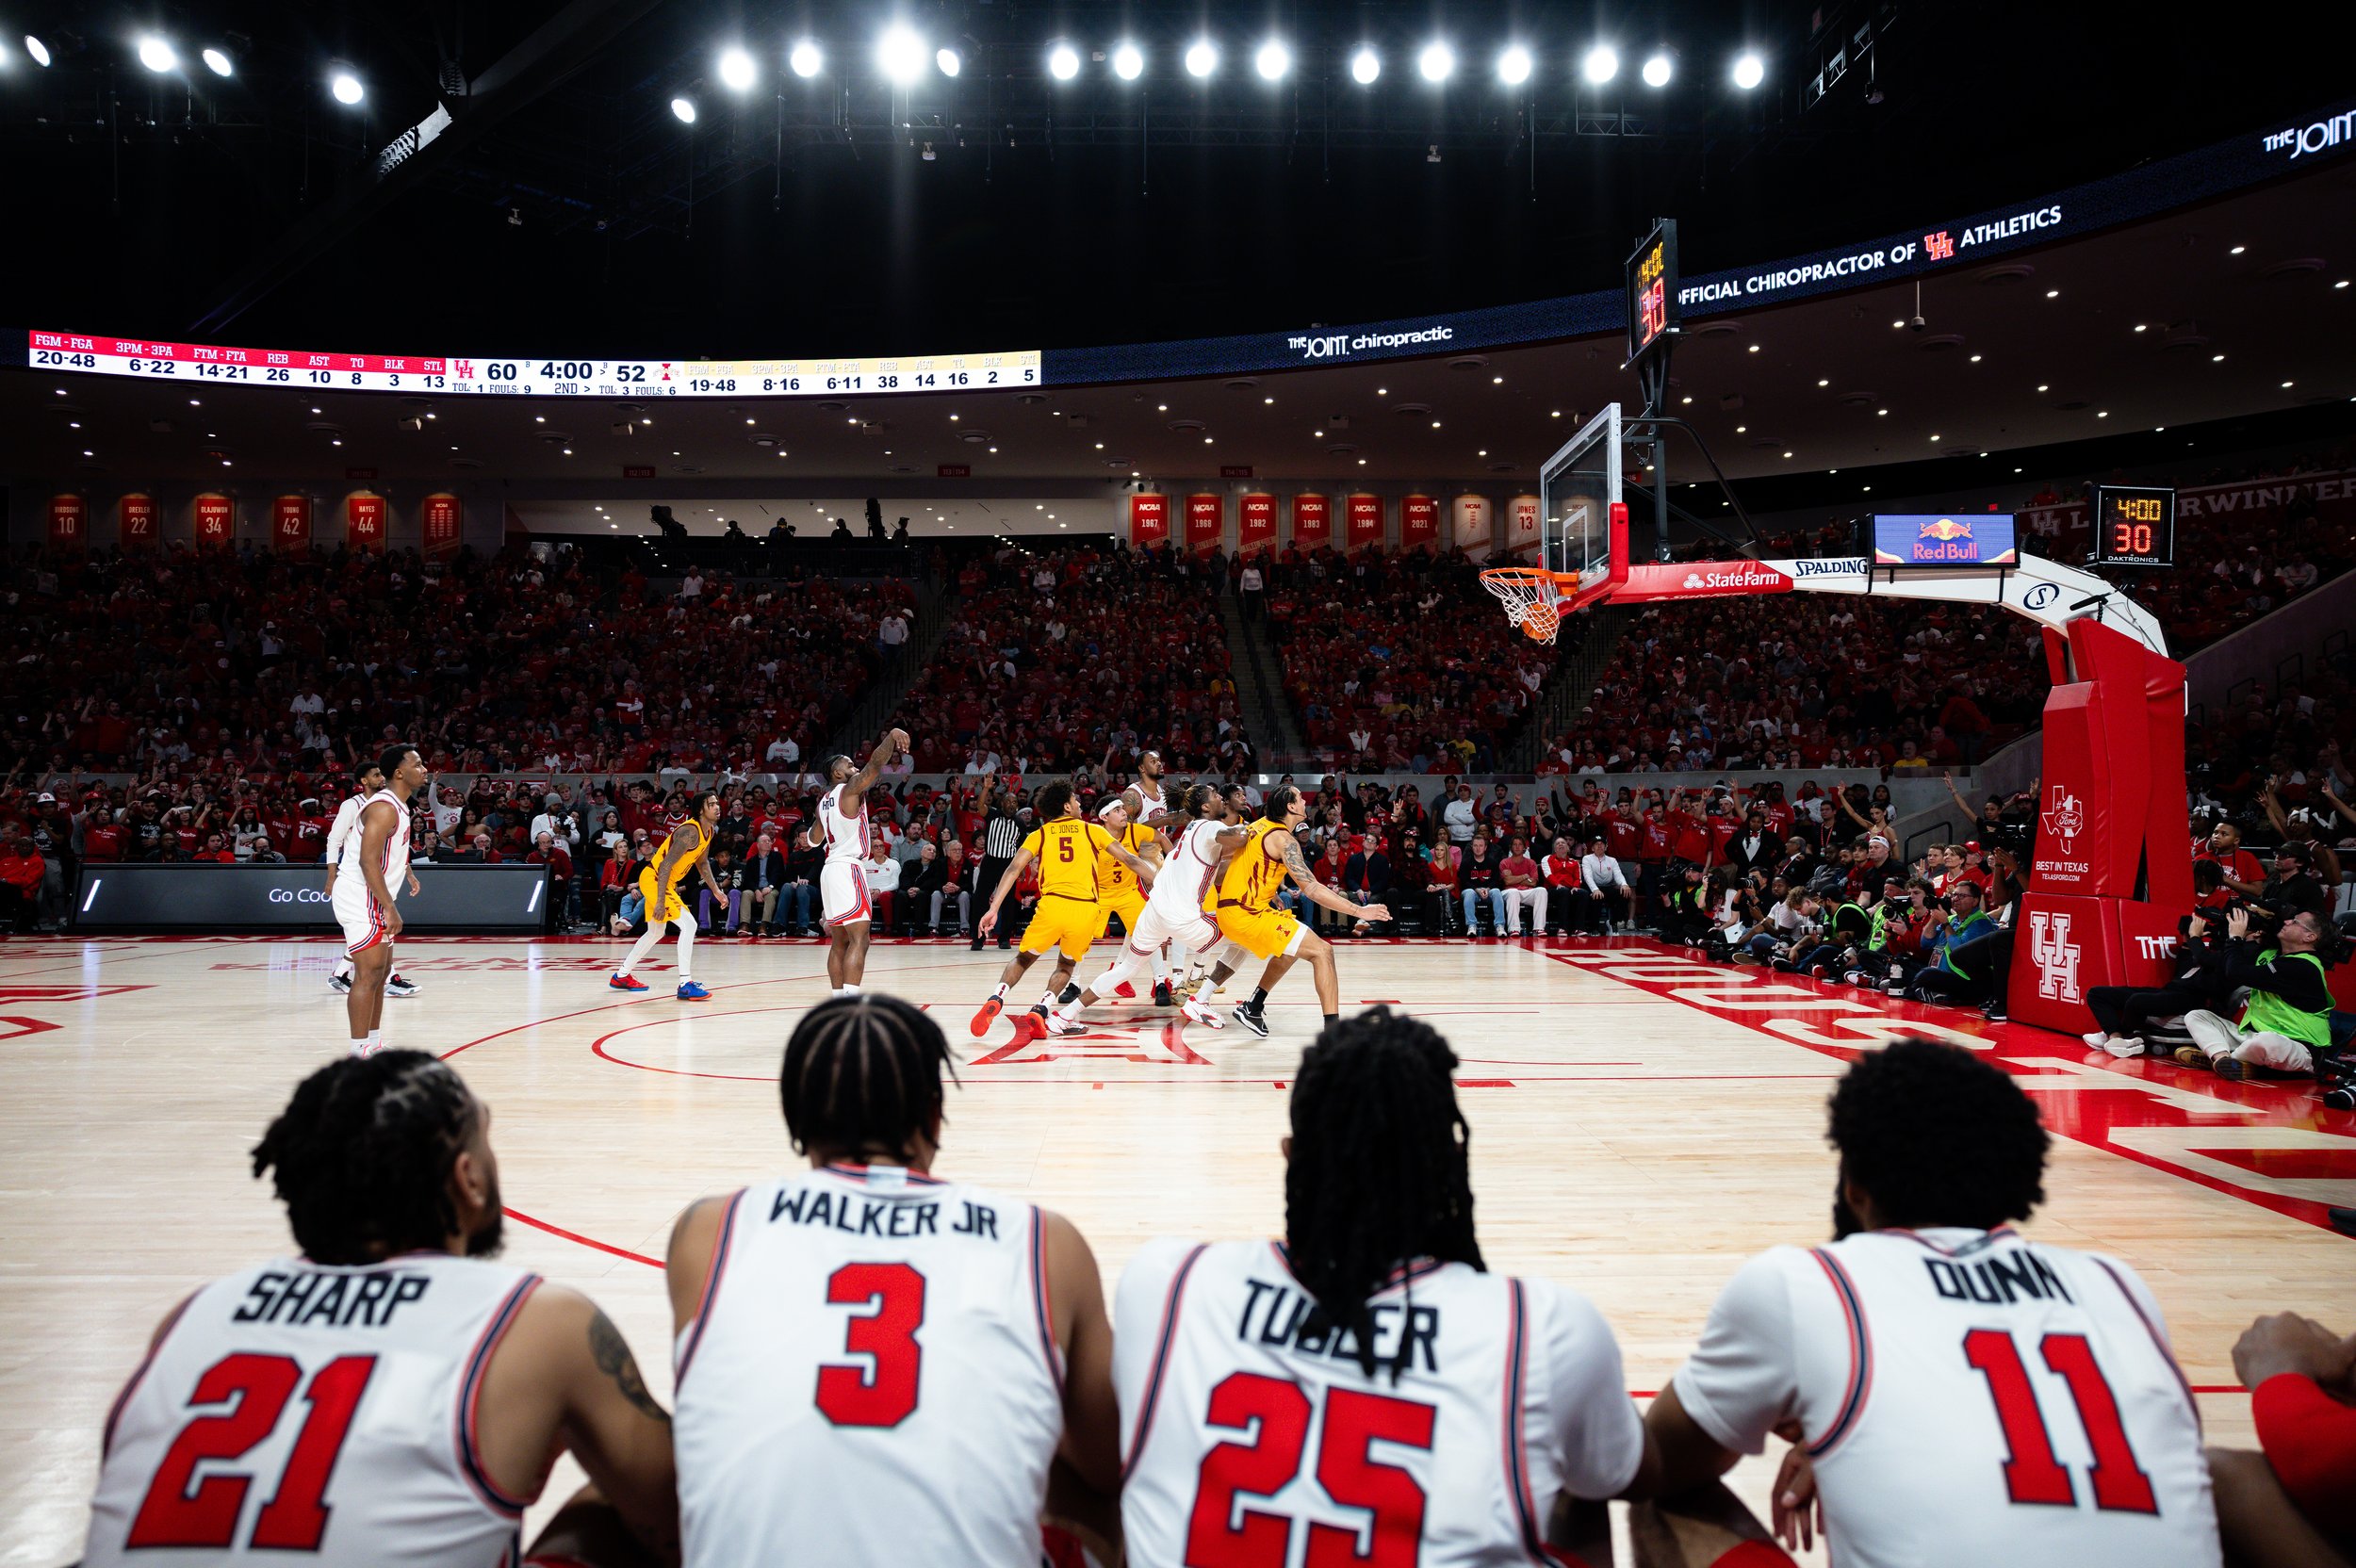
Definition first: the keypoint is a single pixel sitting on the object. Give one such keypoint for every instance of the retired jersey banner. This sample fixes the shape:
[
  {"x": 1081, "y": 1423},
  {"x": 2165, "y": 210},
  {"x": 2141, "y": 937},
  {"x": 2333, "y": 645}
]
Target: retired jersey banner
[
  {"x": 1521, "y": 525},
  {"x": 1313, "y": 522},
  {"x": 1418, "y": 522},
  {"x": 1255, "y": 523},
  {"x": 363, "y": 520},
  {"x": 1149, "y": 520},
  {"x": 135, "y": 521},
  {"x": 439, "y": 520},
  {"x": 290, "y": 524},
  {"x": 1365, "y": 522},
  {"x": 1207, "y": 522},
  {"x": 216, "y": 522},
  {"x": 1474, "y": 527},
  {"x": 69, "y": 523}
]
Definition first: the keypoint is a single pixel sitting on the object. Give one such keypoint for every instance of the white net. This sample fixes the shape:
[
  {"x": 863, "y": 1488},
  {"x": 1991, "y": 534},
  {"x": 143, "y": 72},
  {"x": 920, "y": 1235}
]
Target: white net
[{"x": 1528, "y": 598}]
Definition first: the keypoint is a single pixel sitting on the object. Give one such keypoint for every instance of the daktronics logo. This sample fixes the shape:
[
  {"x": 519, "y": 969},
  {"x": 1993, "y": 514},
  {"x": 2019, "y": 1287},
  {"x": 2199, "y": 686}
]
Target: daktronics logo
[
  {"x": 1341, "y": 345},
  {"x": 297, "y": 895},
  {"x": 2322, "y": 135},
  {"x": 1839, "y": 566}
]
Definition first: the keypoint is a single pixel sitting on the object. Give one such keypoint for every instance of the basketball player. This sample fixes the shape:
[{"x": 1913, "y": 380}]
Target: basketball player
[
  {"x": 370, "y": 779},
  {"x": 688, "y": 846},
  {"x": 390, "y": 1395},
  {"x": 1174, "y": 914},
  {"x": 363, "y": 897},
  {"x": 841, "y": 824},
  {"x": 1151, "y": 808},
  {"x": 876, "y": 1366},
  {"x": 1248, "y": 919},
  {"x": 1066, "y": 846},
  {"x": 1121, "y": 894},
  {"x": 1952, "y": 1382},
  {"x": 1450, "y": 1407}
]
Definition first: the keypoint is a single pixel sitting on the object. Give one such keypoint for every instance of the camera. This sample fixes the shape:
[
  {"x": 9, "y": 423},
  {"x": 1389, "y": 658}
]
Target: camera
[{"x": 1918, "y": 324}]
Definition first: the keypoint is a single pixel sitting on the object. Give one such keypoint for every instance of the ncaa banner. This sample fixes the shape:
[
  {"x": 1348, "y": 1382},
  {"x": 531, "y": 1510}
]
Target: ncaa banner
[
  {"x": 215, "y": 521},
  {"x": 1255, "y": 523},
  {"x": 69, "y": 523},
  {"x": 439, "y": 518},
  {"x": 363, "y": 520},
  {"x": 1365, "y": 522},
  {"x": 1418, "y": 523},
  {"x": 1148, "y": 520},
  {"x": 1474, "y": 527},
  {"x": 1522, "y": 535},
  {"x": 1313, "y": 522},
  {"x": 135, "y": 521},
  {"x": 1207, "y": 522},
  {"x": 290, "y": 524}
]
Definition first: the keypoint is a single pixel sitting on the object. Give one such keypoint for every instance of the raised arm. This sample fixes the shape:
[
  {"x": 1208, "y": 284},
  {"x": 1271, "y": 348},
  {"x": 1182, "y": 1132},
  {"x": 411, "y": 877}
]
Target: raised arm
[
  {"x": 886, "y": 749},
  {"x": 1286, "y": 848}
]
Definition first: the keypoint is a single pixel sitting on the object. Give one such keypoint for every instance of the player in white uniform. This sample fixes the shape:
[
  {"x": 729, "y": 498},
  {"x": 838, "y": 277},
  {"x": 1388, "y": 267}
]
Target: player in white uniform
[
  {"x": 876, "y": 1366},
  {"x": 1173, "y": 910},
  {"x": 370, "y": 779},
  {"x": 842, "y": 826},
  {"x": 373, "y": 857},
  {"x": 1366, "y": 1392},
  {"x": 389, "y": 1396},
  {"x": 1961, "y": 1395}
]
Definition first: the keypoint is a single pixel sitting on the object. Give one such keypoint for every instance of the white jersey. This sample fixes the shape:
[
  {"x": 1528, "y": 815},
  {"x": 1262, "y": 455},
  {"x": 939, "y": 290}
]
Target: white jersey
[
  {"x": 845, "y": 835},
  {"x": 1968, "y": 1397},
  {"x": 872, "y": 1377},
  {"x": 1245, "y": 1415},
  {"x": 346, "y": 822},
  {"x": 395, "y": 867},
  {"x": 306, "y": 1409},
  {"x": 1149, "y": 796},
  {"x": 1184, "y": 878}
]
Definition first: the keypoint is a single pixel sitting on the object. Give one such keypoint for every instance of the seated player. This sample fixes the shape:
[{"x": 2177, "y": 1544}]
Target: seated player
[
  {"x": 876, "y": 1366},
  {"x": 2293, "y": 1505},
  {"x": 391, "y": 1394},
  {"x": 1948, "y": 1381},
  {"x": 1247, "y": 917},
  {"x": 1065, "y": 847},
  {"x": 1373, "y": 1328}
]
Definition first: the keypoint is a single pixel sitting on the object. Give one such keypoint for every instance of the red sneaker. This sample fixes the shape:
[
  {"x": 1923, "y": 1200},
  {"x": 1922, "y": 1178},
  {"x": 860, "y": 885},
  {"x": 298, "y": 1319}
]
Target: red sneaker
[
  {"x": 1125, "y": 991},
  {"x": 987, "y": 1015},
  {"x": 625, "y": 983}
]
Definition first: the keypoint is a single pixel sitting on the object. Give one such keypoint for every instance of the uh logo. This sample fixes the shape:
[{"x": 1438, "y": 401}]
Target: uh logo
[{"x": 2056, "y": 955}]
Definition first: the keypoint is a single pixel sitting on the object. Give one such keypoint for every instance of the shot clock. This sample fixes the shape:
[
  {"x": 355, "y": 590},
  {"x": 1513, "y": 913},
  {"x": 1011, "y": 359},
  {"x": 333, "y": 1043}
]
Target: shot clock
[
  {"x": 2133, "y": 526},
  {"x": 1652, "y": 290}
]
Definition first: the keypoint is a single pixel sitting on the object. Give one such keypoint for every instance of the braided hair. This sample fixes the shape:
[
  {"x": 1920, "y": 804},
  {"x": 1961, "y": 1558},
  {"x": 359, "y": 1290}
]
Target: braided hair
[
  {"x": 361, "y": 1157},
  {"x": 1379, "y": 1171},
  {"x": 862, "y": 1076}
]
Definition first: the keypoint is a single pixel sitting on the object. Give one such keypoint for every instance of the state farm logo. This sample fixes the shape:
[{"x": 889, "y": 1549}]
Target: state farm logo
[
  {"x": 2062, "y": 817},
  {"x": 2056, "y": 955},
  {"x": 1741, "y": 577}
]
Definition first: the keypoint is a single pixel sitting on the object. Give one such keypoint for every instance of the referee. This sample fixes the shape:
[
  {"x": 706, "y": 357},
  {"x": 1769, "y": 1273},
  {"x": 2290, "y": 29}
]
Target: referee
[{"x": 1002, "y": 835}]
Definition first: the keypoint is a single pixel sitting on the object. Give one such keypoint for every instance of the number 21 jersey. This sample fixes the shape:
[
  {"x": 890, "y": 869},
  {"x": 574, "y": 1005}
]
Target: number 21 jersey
[{"x": 872, "y": 1377}]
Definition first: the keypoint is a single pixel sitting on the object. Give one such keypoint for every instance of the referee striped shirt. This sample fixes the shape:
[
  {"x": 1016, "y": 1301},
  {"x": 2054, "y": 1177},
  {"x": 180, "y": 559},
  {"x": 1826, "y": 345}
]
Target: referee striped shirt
[{"x": 1001, "y": 837}]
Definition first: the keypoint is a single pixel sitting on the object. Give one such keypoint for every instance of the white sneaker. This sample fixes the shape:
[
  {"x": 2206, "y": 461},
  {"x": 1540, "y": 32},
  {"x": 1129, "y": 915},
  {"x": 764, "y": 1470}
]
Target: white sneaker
[
  {"x": 1201, "y": 1013},
  {"x": 2124, "y": 1047},
  {"x": 2099, "y": 1039},
  {"x": 1058, "y": 1024},
  {"x": 401, "y": 985}
]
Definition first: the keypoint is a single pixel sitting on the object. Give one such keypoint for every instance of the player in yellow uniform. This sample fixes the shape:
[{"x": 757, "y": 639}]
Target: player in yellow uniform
[
  {"x": 1244, "y": 904},
  {"x": 659, "y": 885},
  {"x": 1065, "y": 847},
  {"x": 1120, "y": 894}
]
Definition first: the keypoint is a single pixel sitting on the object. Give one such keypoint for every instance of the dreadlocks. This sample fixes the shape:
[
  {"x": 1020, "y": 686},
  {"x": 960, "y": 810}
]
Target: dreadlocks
[
  {"x": 1379, "y": 1173},
  {"x": 862, "y": 1076},
  {"x": 362, "y": 1157},
  {"x": 1937, "y": 1136}
]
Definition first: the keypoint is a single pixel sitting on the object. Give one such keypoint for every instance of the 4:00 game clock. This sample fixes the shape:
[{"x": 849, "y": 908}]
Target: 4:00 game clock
[{"x": 2133, "y": 526}]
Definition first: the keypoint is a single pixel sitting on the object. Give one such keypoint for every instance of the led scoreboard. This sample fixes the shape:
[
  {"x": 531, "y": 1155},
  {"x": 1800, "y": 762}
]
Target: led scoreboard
[
  {"x": 1652, "y": 290},
  {"x": 2133, "y": 526}
]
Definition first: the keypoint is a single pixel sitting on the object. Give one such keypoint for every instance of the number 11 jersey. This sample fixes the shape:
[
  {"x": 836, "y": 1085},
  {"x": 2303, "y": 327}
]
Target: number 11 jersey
[{"x": 872, "y": 1377}]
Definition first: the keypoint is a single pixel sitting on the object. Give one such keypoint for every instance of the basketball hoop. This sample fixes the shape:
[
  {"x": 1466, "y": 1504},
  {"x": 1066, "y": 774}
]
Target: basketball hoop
[{"x": 1528, "y": 595}]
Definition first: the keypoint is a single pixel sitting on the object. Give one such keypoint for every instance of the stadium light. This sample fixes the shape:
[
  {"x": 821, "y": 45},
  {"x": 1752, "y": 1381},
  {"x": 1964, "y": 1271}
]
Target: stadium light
[
  {"x": 1749, "y": 70},
  {"x": 685, "y": 109},
  {"x": 36, "y": 48},
  {"x": 1273, "y": 60},
  {"x": 1063, "y": 62},
  {"x": 949, "y": 61},
  {"x": 1601, "y": 64},
  {"x": 347, "y": 88},
  {"x": 1514, "y": 66},
  {"x": 900, "y": 53},
  {"x": 1658, "y": 68},
  {"x": 218, "y": 63},
  {"x": 1437, "y": 62},
  {"x": 1365, "y": 65},
  {"x": 736, "y": 70},
  {"x": 1128, "y": 62},
  {"x": 1202, "y": 57},
  {"x": 806, "y": 60},
  {"x": 157, "y": 55}
]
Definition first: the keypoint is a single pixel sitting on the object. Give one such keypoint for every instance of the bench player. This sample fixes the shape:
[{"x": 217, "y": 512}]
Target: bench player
[
  {"x": 391, "y": 1394},
  {"x": 363, "y": 896},
  {"x": 1247, "y": 919},
  {"x": 1173, "y": 915},
  {"x": 1122, "y": 895},
  {"x": 688, "y": 848},
  {"x": 1065, "y": 847},
  {"x": 1450, "y": 1408},
  {"x": 1951, "y": 1381},
  {"x": 876, "y": 1366},
  {"x": 841, "y": 824},
  {"x": 370, "y": 779}
]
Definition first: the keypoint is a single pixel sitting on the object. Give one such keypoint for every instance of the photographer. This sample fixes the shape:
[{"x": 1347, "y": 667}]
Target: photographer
[
  {"x": 2287, "y": 1020},
  {"x": 1792, "y": 918},
  {"x": 2123, "y": 1012},
  {"x": 1948, "y": 977}
]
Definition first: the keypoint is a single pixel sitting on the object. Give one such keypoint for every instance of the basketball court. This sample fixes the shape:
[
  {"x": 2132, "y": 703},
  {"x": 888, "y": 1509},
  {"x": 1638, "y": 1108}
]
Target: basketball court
[{"x": 1643, "y": 1121}]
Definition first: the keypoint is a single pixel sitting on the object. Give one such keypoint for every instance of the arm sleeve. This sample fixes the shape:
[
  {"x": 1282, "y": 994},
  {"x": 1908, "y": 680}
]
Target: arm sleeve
[
  {"x": 1590, "y": 1422},
  {"x": 2309, "y": 1439},
  {"x": 1742, "y": 1379},
  {"x": 1139, "y": 1302}
]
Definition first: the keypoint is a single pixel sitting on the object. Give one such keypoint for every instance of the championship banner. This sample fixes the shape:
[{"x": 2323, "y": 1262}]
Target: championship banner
[
  {"x": 1474, "y": 527},
  {"x": 439, "y": 519},
  {"x": 1149, "y": 520},
  {"x": 1521, "y": 526},
  {"x": 1313, "y": 522},
  {"x": 1418, "y": 523},
  {"x": 69, "y": 523},
  {"x": 1255, "y": 523},
  {"x": 364, "y": 521},
  {"x": 1365, "y": 522},
  {"x": 1207, "y": 522},
  {"x": 216, "y": 522},
  {"x": 290, "y": 524},
  {"x": 135, "y": 522}
]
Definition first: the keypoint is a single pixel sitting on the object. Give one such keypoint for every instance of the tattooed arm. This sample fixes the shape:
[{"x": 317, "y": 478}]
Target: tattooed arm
[{"x": 1282, "y": 845}]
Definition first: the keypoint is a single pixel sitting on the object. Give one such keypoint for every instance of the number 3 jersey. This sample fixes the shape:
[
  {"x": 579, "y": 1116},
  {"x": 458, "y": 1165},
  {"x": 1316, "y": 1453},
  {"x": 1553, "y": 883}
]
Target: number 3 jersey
[
  {"x": 1968, "y": 1397},
  {"x": 329, "y": 1412},
  {"x": 1254, "y": 1436},
  {"x": 872, "y": 1377}
]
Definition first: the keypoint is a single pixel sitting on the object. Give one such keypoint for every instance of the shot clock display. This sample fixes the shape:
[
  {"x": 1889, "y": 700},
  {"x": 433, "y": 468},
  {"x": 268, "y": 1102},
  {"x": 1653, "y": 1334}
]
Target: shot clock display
[
  {"x": 2133, "y": 526},
  {"x": 1652, "y": 289}
]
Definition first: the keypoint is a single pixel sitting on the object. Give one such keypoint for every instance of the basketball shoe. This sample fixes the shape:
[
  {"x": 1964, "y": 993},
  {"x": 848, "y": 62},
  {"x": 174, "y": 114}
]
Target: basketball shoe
[
  {"x": 620, "y": 982},
  {"x": 401, "y": 985}
]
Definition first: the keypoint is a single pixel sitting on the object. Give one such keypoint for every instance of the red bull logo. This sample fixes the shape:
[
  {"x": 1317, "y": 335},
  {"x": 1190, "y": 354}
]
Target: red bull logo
[
  {"x": 1945, "y": 529},
  {"x": 1929, "y": 539}
]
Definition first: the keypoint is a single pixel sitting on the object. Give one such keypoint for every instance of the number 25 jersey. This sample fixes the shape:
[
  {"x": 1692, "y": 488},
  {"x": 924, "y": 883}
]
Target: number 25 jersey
[
  {"x": 1253, "y": 1436},
  {"x": 872, "y": 1377}
]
